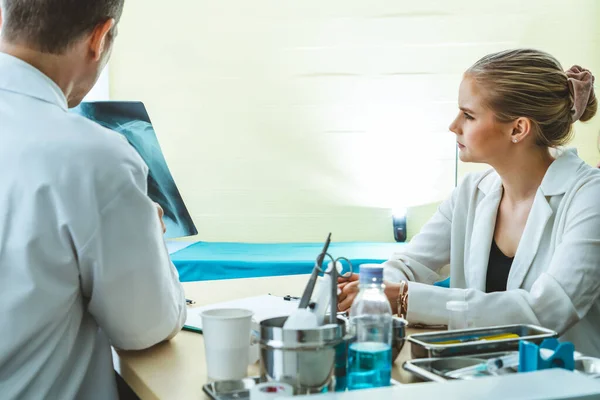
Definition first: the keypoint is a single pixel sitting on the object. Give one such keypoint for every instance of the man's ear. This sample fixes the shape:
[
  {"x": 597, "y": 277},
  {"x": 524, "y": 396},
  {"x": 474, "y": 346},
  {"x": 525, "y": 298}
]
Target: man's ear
[
  {"x": 100, "y": 37},
  {"x": 522, "y": 128}
]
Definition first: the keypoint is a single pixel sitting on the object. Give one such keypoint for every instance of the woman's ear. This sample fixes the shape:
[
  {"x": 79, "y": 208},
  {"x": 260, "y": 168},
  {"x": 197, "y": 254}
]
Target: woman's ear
[
  {"x": 100, "y": 37},
  {"x": 522, "y": 128}
]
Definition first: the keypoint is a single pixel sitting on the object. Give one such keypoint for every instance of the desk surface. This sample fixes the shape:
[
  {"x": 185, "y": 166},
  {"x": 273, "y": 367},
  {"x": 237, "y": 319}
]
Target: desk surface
[{"x": 176, "y": 369}]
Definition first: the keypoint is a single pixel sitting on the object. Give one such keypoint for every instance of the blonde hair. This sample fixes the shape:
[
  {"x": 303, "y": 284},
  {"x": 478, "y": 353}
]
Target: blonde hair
[{"x": 530, "y": 83}]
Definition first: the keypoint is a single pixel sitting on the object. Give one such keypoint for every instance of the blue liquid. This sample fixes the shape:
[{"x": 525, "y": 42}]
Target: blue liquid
[
  {"x": 369, "y": 365},
  {"x": 341, "y": 358}
]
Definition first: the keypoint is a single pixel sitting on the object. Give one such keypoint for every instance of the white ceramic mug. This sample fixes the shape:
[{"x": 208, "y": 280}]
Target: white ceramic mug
[{"x": 226, "y": 334}]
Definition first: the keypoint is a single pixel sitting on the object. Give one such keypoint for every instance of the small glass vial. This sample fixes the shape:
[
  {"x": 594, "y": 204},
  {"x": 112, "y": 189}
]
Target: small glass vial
[{"x": 457, "y": 315}]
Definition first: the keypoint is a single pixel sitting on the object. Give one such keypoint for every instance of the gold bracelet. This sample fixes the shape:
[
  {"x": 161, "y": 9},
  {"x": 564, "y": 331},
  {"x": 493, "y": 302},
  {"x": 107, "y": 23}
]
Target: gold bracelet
[
  {"x": 402, "y": 301},
  {"x": 399, "y": 298}
]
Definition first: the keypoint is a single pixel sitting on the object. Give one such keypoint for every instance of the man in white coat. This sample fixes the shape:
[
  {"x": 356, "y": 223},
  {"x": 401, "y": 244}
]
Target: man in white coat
[{"x": 83, "y": 264}]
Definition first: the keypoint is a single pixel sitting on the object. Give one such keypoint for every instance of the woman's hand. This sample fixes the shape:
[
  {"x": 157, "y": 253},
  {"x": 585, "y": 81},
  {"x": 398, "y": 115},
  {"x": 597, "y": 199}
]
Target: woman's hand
[{"x": 349, "y": 288}]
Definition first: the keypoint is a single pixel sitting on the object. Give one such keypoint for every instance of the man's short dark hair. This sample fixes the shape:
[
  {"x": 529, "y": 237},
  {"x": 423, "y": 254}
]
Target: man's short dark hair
[{"x": 52, "y": 25}]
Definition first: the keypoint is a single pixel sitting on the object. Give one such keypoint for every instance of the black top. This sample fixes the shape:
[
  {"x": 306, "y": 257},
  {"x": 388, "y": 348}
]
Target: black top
[{"x": 498, "y": 269}]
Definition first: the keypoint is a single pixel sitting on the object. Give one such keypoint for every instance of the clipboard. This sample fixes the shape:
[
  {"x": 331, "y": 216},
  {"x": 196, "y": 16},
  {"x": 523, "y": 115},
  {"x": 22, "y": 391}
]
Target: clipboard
[{"x": 264, "y": 307}]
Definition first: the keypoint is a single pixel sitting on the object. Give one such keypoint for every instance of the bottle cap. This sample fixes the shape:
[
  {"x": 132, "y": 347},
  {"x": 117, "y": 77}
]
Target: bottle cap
[
  {"x": 457, "y": 306},
  {"x": 371, "y": 273}
]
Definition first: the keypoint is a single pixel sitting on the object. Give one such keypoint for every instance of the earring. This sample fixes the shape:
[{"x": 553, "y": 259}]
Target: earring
[{"x": 515, "y": 140}]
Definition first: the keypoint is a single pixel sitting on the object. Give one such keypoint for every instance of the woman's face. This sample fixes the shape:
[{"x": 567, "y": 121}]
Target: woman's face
[{"x": 479, "y": 136}]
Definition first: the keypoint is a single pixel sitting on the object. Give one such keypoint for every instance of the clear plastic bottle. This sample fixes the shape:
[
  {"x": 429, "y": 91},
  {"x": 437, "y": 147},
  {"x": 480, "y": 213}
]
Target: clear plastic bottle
[
  {"x": 370, "y": 353},
  {"x": 458, "y": 317}
]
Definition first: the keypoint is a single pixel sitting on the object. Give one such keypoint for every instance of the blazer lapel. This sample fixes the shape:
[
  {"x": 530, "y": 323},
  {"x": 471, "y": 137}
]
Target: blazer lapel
[
  {"x": 558, "y": 178},
  {"x": 530, "y": 240},
  {"x": 481, "y": 239}
]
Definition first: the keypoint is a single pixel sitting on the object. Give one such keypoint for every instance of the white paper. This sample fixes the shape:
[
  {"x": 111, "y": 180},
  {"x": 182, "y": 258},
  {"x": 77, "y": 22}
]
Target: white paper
[{"x": 264, "y": 307}]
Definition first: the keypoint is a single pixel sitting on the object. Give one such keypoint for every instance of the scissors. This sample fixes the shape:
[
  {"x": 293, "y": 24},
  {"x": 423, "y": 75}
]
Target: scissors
[
  {"x": 308, "y": 291},
  {"x": 334, "y": 283}
]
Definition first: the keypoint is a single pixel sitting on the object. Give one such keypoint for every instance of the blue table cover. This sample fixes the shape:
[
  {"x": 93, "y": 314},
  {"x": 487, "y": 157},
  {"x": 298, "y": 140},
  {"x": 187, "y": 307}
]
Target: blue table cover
[{"x": 203, "y": 261}]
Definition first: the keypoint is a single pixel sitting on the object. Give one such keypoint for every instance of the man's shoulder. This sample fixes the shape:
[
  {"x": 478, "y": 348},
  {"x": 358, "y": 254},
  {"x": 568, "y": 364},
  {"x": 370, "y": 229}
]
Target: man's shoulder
[
  {"x": 95, "y": 142},
  {"x": 78, "y": 152}
]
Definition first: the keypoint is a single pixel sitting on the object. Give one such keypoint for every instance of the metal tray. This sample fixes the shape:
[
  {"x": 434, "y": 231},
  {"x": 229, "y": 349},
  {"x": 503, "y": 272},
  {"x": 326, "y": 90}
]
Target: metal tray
[
  {"x": 231, "y": 390},
  {"x": 424, "y": 345},
  {"x": 435, "y": 369},
  {"x": 237, "y": 390}
]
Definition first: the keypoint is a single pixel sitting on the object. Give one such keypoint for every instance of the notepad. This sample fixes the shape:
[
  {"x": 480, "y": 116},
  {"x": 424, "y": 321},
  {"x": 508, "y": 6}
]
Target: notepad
[{"x": 264, "y": 307}]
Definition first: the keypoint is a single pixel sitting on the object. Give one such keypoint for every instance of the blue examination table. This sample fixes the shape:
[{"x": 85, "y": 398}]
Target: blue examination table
[{"x": 203, "y": 261}]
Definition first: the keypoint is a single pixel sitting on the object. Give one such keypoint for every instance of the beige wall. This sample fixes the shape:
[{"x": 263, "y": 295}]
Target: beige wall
[{"x": 284, "y": 120}]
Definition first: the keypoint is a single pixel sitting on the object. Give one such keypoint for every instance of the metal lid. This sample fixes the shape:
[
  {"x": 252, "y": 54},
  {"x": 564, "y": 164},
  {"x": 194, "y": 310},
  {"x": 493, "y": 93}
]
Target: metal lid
[{"x": 272, "y": 335}]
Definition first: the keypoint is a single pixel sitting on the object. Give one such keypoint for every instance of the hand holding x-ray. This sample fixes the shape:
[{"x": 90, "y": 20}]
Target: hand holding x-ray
[
  {"x": 131, "y": 120},
  {"x": 160, "y": 217}
]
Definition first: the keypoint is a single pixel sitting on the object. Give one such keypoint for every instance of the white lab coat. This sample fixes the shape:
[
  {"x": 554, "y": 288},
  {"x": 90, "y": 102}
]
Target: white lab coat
[
  {"x": 555, "y": 276},
  {"x": 83, "y": 263}
]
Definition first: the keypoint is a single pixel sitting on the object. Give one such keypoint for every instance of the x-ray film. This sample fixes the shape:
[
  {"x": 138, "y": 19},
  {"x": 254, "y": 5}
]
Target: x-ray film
[{"x": 131, "y": 120}]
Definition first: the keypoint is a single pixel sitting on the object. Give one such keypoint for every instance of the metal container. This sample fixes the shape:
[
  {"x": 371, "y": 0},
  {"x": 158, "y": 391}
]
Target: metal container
[
  {"x": 304, "y": 359},
  {"x": 426, "y": 345},
  {"x": 439, "y": 369},
  {"x": 237, "y": 390},
  {"x": 398, "y": 336},
  {"x": 229, "y": 390}
]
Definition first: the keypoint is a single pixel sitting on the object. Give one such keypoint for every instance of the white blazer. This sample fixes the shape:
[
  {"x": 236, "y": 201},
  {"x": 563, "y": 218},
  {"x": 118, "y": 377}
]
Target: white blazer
[{"x": 555, "y": 276}]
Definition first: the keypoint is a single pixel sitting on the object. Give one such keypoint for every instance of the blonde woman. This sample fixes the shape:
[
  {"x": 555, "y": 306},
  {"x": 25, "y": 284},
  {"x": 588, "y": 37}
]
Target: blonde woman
[{"x": 522, "y": 239}]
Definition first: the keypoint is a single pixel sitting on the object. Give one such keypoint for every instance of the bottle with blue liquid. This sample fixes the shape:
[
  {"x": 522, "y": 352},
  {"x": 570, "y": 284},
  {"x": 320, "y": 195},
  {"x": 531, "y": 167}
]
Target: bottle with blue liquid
[{"x": 370, "y": 354}]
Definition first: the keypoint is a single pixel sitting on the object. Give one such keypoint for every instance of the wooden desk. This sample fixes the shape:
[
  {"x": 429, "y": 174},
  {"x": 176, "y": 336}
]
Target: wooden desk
[{"x": 177, "y": 369}]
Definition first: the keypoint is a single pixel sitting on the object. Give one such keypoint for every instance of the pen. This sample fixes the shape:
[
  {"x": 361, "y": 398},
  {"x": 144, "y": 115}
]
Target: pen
[
  {"x": 310, "y": 286},
  {"x": 468, "y": 339},
  {"x": 287, "y": 297}
]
